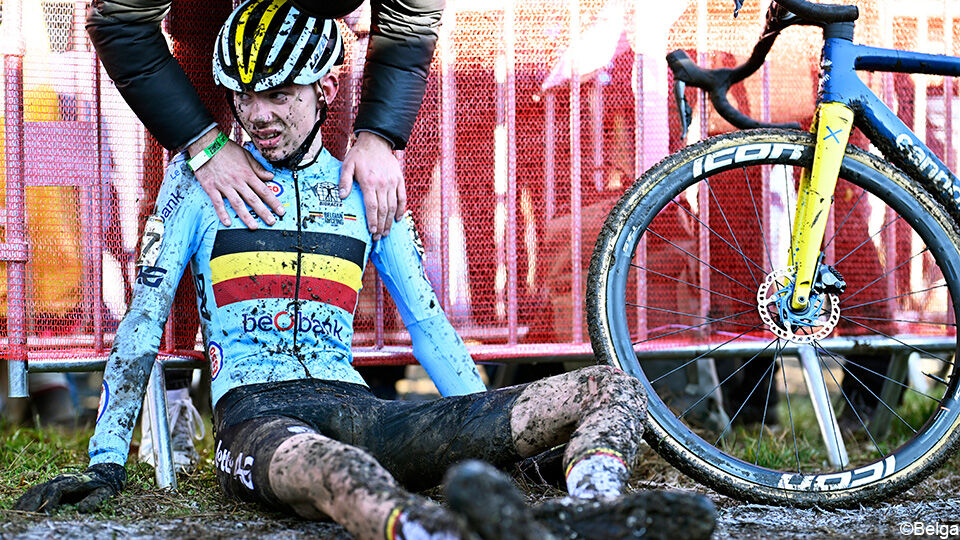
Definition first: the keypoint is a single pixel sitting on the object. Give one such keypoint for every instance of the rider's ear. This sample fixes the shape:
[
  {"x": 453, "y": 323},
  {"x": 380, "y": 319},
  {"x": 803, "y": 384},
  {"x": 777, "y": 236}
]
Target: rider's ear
[{"x": 328, "y": 86}]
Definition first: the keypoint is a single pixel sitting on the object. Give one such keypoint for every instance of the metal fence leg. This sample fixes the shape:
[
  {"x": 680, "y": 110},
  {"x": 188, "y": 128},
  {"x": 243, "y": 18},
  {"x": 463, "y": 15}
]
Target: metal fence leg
[
  {"x": 157, "y": 411},
  {"x": 826, "y": 418}
]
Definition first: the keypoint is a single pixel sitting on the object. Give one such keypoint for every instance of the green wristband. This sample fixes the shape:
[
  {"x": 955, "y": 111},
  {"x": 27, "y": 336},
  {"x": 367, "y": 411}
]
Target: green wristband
[{"x": 204, "y": 156}]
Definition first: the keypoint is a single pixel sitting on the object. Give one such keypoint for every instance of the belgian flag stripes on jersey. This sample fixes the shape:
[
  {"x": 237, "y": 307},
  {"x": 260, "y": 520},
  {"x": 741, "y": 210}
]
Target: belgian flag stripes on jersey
[{"x": 250, "y": 265}]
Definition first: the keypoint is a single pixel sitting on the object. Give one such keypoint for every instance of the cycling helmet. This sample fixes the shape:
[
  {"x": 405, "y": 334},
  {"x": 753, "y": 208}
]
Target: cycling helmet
[{"x": 269, "y": 43}]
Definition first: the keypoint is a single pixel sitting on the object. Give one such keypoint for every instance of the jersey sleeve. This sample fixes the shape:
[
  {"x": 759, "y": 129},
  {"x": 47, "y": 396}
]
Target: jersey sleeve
[
  {"x": 403, "y": 36},
  {"x": 170, "y": 239},
  {"x": 128, "y": 40},
  {"x": 436, "y": 344}
]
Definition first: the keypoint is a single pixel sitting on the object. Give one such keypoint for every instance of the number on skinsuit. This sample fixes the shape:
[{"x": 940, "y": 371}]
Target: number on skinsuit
[{"x": 150, "y": 244}]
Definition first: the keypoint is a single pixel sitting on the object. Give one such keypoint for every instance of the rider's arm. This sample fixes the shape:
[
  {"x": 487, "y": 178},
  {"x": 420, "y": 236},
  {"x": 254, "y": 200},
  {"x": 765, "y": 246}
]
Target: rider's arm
[
  {"x": 163, "y": 258},
  {"x": 403, "y": 35},
  {"x": 436, "y": 344},
  {"x": 132, "y": 48}
]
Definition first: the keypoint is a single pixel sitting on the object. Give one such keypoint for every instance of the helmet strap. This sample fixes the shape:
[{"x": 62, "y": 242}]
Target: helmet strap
[{"x": 293, "y": 160}]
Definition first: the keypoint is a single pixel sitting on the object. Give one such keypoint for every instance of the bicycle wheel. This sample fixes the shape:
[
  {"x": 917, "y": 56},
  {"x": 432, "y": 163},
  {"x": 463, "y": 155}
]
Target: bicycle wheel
[{"x": 851, "y": 401}]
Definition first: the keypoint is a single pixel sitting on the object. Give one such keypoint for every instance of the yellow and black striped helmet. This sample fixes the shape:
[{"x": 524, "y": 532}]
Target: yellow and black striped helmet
[{"x": 269, "y": 43}]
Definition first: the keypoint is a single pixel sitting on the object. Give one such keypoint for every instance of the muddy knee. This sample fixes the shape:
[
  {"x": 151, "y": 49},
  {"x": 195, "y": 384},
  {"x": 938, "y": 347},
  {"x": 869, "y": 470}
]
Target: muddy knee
[
  {"x": 311, "y": 467},
  {"x": 612, "y": 386}
]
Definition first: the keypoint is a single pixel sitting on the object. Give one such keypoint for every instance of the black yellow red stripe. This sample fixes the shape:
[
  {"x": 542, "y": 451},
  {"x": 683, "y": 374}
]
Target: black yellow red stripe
[
  {"x": 250, "y": 265},
  {"x": 243, "y": 240},
  {"x": 262, "y": 263},
  {"x": 595, "y": 452},
  {"x": 273, "y": 286}
]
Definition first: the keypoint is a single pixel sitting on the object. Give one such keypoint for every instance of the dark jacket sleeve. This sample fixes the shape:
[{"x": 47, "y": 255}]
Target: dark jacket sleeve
[
  {"x": 403, "y": 36},
  {"x": 132, "y": 49}
]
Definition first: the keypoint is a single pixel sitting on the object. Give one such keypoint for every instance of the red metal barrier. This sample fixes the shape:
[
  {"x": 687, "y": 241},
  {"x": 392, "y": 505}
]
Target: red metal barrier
[{"x": 538, "y": 115}]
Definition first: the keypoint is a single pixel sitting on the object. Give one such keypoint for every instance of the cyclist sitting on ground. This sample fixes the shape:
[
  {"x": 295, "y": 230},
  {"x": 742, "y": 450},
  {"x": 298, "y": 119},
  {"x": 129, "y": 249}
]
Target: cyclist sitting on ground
[{"x": 297, "y": 429}]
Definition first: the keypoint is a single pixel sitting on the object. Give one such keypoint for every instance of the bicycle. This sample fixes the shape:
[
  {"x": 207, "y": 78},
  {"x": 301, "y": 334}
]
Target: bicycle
[{"x": 740, "y": 317}]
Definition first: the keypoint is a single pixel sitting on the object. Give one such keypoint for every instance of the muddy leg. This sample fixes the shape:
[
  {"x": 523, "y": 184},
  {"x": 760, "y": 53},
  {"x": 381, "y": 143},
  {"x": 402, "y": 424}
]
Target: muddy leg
[
  {"x": 598, "y": 409},
  {"x": 319, "y": 476}
]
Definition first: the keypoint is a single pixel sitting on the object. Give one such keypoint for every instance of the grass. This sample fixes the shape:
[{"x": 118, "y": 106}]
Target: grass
[{"x": 29, "y": 456}]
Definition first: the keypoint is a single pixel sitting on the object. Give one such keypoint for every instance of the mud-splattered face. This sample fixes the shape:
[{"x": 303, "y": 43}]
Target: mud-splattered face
[{"x": 278, "y": 120}]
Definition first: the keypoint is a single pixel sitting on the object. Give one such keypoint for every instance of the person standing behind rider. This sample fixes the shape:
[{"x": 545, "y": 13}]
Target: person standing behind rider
[{"x": 403, "y": 36}]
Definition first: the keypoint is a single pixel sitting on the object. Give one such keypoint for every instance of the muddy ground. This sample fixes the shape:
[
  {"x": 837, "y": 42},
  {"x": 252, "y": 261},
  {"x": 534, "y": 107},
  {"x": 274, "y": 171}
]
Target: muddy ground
[{"x": 935, "y": 503}]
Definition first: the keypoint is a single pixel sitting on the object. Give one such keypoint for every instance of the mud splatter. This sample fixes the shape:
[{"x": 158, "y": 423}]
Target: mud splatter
[{"x": 597, "y": 406}]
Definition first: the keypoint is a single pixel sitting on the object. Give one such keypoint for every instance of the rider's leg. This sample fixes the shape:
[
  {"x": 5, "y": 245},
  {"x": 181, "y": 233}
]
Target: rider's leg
[
  {"x": 284, "y": 463},
  {"x": 598, "y": 411},
  {"x": 319, "y": 476}
]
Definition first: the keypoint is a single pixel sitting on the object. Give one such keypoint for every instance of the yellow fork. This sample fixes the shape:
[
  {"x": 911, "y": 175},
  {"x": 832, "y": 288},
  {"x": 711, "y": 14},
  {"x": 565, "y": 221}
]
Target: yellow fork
[{"x": 832, "y": 125}]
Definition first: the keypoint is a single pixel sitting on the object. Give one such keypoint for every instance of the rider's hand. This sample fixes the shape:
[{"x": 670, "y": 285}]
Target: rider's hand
[
  {"x": 88, "y": 489},
  {"x": 371, "y": 162},
  {"x": 233, "y": 174}
]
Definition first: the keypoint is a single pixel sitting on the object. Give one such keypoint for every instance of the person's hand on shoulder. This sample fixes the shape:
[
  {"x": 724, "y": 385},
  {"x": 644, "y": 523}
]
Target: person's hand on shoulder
[
  {"x": 233, "y": 174},
  {"x": 370, "y": 161},
  {"x": 88, "y": 490}
]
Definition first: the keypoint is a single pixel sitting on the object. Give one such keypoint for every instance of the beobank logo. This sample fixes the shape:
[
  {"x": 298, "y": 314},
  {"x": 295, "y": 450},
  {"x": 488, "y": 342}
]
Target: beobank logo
[{"x": 286, "y": 321}]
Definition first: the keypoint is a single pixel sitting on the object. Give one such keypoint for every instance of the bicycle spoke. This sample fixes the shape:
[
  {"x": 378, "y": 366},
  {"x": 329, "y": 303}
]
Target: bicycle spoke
[
  {"x": 714, "y": 389},
  {"x": 786, "y": 391},
  {"x": 898, "y": 383},
  {"x": 869, "y": 239},
  {"x": 742, "y": 405},
  {"x": 885, "y": 274},
  {"x": 872, "y": 393},
  {"x": 684, "y": 314},
  {"x": 904, "y": 295},
  {"x": 847, "y": 399},
  {"x": 736, "y": 248},
  {"x": 704, "y": 355},
  {"x": 701, "y": 325},
  {"x": 914, "y": 348},
  {"x": 766, "y": 403},
  {"x": 838, "y": 228},
  {"x": 756, "y": 213},
  {"x": 909, "y": 321},
  {"x": 701, "y": 261},
  {"x": 678, "y": 280}
]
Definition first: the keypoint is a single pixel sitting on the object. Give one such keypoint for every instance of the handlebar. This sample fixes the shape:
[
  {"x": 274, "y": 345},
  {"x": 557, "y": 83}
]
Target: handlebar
[{"x": 717, "y": 82}]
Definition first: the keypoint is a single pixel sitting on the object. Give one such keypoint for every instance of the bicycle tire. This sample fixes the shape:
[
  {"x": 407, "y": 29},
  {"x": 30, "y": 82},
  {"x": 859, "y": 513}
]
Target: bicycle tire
[{"x": 652, "y": 205}]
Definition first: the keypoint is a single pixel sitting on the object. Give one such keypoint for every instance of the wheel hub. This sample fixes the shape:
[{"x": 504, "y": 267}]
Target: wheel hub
[{"x": 815, "y": 321}]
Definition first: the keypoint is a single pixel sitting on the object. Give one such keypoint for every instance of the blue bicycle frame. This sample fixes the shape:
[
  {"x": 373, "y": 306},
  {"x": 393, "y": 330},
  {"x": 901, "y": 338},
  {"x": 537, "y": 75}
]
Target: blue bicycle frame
[{"x": 840, "y": 84}]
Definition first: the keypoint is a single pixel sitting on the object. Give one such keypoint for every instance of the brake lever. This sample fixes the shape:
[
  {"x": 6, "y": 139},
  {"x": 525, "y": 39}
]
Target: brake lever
[{"x": 683, "y": 108}]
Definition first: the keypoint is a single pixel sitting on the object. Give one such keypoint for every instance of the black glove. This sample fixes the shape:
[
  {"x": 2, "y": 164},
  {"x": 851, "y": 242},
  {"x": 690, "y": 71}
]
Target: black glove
[{"x": 87, "y": 489}]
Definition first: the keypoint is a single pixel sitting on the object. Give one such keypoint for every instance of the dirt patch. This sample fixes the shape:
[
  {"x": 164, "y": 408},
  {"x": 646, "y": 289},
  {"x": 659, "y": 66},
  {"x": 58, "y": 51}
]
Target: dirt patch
[{"x": 208, "y": 527}]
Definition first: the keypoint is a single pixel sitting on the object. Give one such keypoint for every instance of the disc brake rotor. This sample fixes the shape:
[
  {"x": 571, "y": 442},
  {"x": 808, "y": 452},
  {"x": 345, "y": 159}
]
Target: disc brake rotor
[{"x": 773, "y": 302}]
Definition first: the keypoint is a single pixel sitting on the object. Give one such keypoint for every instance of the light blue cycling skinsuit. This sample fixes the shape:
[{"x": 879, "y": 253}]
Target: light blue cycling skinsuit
[{"x": 276, "y": 304}]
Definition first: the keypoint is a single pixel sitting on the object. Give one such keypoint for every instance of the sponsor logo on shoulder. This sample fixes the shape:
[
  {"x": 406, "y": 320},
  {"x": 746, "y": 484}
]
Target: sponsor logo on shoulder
[
  {"x": 329, "y": 194},
  {"x": 215, "y": 353},
  {"x": 840, "y": 480},
  {"x": 275, "y": 187},
  {"x": 743, "y": 154}
]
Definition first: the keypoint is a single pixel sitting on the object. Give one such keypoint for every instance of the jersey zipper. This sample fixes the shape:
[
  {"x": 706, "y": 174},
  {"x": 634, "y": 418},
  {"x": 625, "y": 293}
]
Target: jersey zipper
[{"x": 296, "y": 292}]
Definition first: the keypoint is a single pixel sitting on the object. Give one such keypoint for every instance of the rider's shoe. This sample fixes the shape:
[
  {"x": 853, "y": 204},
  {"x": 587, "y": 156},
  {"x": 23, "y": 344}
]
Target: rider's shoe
[
  {"x": 185, "y": 425},
  {"x": 492, "y": 505},
  {"x": 644, "y": 514}
]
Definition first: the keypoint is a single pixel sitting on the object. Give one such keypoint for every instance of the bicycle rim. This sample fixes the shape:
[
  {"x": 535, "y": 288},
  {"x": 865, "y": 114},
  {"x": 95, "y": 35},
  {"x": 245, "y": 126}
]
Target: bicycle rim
[{"x": 849, "y": 402}]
